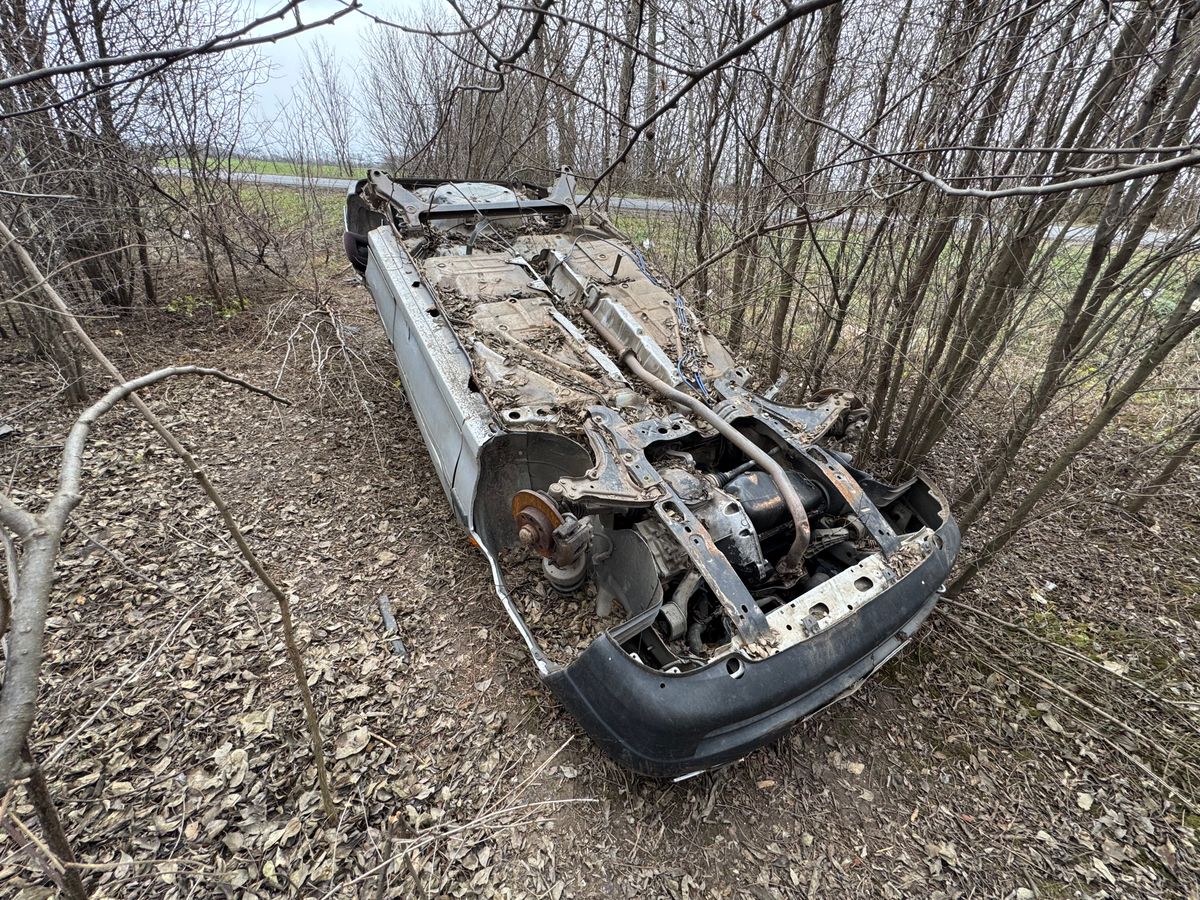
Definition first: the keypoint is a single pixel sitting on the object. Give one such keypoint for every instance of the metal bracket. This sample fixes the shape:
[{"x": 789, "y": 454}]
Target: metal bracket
[
  {"x": 417, "y": 212},
  {"x": 624, "y": 476},
  {"x": 863, "y": 507},
  {"x": 406, "y": 202}
]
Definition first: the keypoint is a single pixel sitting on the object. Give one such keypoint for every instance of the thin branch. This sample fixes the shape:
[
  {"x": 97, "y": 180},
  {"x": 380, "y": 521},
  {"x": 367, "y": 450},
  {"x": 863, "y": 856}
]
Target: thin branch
[
  {"x": 42, "y": 538},
  {"x": 218, "y": 44},
  {"x": 43, "y": 553},
  {"x": 1117, "y": 176},
  {"x": 1066, "y": 651},
  {"x": 793, "y": 12}
]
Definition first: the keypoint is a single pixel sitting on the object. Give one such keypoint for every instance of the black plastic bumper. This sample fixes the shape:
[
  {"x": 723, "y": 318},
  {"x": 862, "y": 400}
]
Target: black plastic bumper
[{"x": 670, "y": 725}]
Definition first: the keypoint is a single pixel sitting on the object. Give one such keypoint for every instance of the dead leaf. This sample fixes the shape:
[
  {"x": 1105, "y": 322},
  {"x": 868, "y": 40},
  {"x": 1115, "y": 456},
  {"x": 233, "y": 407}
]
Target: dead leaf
[
  {"x": 1116, "y": 667},
  {"x": 946, "y": 852},
  {"x": 351, "y": 742}
]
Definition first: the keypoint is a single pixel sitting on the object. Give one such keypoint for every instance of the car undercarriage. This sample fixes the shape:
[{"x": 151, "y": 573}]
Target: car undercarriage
[{"x": 741, "y": 571}]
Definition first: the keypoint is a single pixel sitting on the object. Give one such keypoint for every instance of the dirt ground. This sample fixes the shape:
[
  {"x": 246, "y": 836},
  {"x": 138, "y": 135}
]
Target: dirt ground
[{"x": 173, "y": 740}]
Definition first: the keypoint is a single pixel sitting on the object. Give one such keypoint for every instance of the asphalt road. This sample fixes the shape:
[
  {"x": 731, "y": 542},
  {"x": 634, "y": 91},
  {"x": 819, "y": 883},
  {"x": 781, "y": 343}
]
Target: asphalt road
[
  {"x": 1077, "y": 234},
  {"x": 635, "y": 204}
]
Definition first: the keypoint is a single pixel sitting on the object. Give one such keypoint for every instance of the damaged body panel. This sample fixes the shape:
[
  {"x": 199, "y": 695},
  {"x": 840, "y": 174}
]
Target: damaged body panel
[{"x": 733, "y": 571}]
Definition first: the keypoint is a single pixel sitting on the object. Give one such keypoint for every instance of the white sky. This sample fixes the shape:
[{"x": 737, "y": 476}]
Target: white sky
[{"x": 285, "y": 58}]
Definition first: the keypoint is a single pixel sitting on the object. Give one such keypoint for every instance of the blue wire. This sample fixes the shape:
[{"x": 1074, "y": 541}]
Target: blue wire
[{"x": 640, "y": 262}]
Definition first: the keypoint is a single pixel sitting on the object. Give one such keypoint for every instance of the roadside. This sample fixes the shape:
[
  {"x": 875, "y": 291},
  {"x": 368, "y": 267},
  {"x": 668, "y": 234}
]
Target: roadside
[{"x": 265, "y": 174}]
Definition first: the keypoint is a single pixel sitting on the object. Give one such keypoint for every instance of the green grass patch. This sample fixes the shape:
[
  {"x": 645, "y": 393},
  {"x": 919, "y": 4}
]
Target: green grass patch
[
  {"x": 277, "y": 167},
  {"x": 291, "y": 209},
  {"x": 188, "y": 305},
  {"x": 1104, "y": 641},
  {"x": 274, "y": 167}
]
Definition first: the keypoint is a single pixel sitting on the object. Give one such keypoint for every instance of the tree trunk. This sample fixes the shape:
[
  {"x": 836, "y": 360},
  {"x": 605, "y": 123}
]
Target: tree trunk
[{"x": 831, "y": 30}]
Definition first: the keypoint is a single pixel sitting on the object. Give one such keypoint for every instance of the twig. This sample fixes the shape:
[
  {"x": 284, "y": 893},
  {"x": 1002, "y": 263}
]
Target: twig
[
  {"x": 1158, "y": 779},
  {"x": 151, "y": 657},
  {"x": 41, "y": 535},
  {"x": 520, "y": 788},
  {"x": 56, "y": 837},
  {"x": 54, "y": 862},
  {"x": 170, "y": 861},
  {"x": 1066, "y": 651},
  {"x": 28, "y": 848},
  {"x": 791, "y": 12},
  {"x": 221, "y": 43},
  {"x": 19, "y": 516},
  {"x": 482, "y": 821}
]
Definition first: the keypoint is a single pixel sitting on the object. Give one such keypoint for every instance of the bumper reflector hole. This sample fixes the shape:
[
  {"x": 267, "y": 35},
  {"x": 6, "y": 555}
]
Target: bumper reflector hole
[
  {"x": 734, "y": 667},
  {"x": 864, "y": 583}
]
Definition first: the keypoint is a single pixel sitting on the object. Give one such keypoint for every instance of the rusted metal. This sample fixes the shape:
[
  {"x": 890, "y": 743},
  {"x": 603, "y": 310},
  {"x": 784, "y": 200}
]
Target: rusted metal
[
  {"x": 792, "y": 564},
  {"x": 575, "y": 408},
  {"x": 536, "y": 518}
]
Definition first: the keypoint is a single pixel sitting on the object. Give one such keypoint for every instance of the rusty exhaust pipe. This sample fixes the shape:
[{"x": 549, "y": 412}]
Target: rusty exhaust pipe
[{"x": 792, "y": 563}]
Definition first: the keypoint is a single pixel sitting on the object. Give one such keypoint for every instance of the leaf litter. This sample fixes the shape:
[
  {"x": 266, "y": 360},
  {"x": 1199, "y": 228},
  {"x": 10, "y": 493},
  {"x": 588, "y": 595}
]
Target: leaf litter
[{"x": 456, "y": 774}]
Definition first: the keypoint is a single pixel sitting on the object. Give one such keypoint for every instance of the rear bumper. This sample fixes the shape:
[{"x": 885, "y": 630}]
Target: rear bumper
[{"x": 666, "y": 726}]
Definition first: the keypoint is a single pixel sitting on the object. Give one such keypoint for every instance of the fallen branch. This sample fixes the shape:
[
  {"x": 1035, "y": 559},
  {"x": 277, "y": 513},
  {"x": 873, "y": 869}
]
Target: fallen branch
[
  {"x": 1171, "y": 790},
  {"x": 488, "y": 812},
  {"x": 58, "y": 751},
  {"x": 481, "y": 823},
  {"x": 1153, "y": 695},
  {"x": 284, "y": 602},
  {"x": 41, "y": 536}
]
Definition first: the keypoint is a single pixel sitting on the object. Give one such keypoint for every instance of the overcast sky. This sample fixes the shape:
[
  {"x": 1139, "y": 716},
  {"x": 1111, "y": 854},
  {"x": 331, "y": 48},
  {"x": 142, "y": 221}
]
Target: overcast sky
[{"x": 285, "y": 58}]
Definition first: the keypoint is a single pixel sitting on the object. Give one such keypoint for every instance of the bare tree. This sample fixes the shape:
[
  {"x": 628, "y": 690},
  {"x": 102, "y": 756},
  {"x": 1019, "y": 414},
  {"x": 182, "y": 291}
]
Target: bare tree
[{"x": 329, "y": 102}]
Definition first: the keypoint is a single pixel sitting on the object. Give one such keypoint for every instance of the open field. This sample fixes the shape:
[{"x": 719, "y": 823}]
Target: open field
[{"x": 252, "y": 166}]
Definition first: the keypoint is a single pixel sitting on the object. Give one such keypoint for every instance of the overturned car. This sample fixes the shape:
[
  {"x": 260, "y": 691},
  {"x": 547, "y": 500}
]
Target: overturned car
[{"x": 741, "y": 573}]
